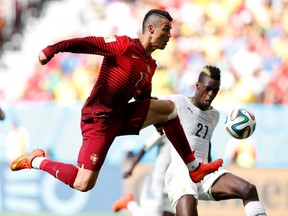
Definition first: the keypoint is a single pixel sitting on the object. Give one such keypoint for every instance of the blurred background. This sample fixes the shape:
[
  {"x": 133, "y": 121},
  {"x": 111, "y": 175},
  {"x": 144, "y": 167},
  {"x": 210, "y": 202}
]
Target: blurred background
[{"x": 246, "y": 39}]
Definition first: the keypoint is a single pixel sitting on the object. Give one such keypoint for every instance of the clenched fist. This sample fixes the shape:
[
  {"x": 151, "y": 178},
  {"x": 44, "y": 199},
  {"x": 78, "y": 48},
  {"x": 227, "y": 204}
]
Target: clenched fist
[{"x": 42, "y": 58}]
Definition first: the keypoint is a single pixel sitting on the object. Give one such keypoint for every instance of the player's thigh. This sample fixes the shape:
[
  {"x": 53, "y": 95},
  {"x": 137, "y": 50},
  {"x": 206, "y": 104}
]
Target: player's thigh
[
  {"x": 144, "y": 113},
  {"x": 159, "y": 111},
  {"x": 205, "y": 186},
  {"x": 229, "y": 186},
  {"x": 98, "y": 135},
  {"x": 134, "y": 117}
]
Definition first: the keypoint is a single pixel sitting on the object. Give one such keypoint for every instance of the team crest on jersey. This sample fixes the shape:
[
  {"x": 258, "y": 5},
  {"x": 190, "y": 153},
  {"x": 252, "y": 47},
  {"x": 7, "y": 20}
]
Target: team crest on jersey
[
  {"x": 94, "y": 158},
  {"x": 109, "y": 39}
]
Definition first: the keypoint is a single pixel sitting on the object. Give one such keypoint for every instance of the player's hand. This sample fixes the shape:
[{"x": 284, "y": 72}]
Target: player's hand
[{"x": 42, "y": 58}]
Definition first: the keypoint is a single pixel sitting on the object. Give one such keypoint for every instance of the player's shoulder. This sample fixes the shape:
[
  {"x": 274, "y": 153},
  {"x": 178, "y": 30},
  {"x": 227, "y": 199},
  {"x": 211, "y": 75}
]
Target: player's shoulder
[
  {"x": 117, "y": 38},
  {"x": 215, "y": 112},
  {"x": 176, "y": 97}
]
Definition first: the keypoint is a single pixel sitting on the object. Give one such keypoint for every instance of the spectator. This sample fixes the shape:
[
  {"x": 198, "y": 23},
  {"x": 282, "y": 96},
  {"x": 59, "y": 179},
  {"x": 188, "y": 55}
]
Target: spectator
[{"x": 17, "y": 142}]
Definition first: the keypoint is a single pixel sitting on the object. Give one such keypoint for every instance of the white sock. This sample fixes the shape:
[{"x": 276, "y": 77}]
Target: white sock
[
  {"x": 193, "y": 165},
  {"x": 36, "y": 162},
  {"x": 254, "y": 208}
]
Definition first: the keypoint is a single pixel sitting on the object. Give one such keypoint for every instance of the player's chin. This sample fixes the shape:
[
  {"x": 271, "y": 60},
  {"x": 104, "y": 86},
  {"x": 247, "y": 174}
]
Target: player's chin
[
  {"x": 162, "y": 46},
  {"x": 207, "y": 103}
]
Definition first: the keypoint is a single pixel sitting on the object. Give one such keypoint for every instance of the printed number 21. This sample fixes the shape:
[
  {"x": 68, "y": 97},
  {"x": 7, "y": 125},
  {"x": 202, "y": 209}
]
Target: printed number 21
[{"x": 201, "y": 127}]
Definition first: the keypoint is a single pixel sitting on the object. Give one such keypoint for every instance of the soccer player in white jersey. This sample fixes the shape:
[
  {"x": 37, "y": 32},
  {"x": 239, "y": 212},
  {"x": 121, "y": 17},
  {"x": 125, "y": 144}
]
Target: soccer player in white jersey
[
  {"x": 199, "y": 119},
  {"x": 153, "y": 198}
]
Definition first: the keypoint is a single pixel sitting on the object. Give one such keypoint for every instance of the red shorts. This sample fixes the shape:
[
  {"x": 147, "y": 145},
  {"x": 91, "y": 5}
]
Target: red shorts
[{"x": 99, "y": 132}]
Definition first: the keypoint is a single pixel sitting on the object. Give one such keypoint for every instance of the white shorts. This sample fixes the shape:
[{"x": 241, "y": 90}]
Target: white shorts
[
  {"x": 167, "y": 206},
  {"x": 178, "y": 183}
]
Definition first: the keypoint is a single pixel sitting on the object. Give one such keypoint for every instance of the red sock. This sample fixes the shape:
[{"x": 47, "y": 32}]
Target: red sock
[
  {"x": 64, "y": 172},
  {"x": 175, "y": 133}
]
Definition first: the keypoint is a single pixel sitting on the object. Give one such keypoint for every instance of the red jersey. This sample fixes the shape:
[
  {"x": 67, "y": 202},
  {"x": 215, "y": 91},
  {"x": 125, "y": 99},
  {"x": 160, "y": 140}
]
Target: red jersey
[{"x": 125, "y": 71}]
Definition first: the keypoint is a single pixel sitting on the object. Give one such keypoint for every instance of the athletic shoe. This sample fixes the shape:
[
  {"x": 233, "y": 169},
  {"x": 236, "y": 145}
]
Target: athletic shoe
[
  {"x": 24, "y": 161},
  {"x": 123, "y": 202},
  {"x": 204, "y": 169}
]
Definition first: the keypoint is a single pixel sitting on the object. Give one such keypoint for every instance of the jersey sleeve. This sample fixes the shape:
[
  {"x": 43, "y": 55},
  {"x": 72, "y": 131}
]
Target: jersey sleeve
[{"x": 105, "y": 46}]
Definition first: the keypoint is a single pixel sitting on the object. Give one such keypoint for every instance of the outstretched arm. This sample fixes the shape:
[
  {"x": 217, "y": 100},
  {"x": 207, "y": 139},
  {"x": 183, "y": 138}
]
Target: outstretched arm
[
  {"x": 104, "y": 46},
  {"x": 134, "y": 162}
]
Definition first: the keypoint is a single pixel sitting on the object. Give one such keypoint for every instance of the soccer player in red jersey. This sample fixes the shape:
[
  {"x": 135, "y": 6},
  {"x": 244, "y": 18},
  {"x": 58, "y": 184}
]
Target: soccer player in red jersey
[{"x": 126, "y": 72}]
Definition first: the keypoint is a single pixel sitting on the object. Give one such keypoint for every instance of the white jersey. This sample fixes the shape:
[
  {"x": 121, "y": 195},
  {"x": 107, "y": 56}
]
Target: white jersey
[{"x": 197, "y": 124}]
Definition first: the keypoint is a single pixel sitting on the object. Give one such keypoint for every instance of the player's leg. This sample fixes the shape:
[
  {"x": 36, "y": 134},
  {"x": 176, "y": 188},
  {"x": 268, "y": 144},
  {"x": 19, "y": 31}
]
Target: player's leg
[
  {"x": 187, "y": 206},
  {"x": 98, "y": 135},
  {"x": 97, "y": 139},
  {"x": 165, "y": 213},
  {"x": 230, "y": 186},
  {"x": 160, "y": 111},
  {"x": 164, "y": 112},
  {"x": 79, "y": 179},
  {"x": 182, "y": 192},
  {"x": 37, "y": 160}
]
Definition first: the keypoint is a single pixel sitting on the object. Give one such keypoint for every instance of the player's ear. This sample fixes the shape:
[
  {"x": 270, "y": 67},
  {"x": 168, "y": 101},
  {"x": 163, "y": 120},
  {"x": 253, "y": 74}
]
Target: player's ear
[{"x": 151, "y": 29}]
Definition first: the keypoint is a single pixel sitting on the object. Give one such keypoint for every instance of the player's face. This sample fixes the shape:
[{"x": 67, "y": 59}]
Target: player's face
[
  {"x": 206, "y": 92},
  {"x": 161, "y": 34}
]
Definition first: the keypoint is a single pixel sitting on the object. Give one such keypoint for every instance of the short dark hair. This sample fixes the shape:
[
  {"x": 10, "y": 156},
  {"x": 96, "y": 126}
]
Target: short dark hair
[
  {"x": 157, "y": 12},
  {"x": 210, "y": 71}
]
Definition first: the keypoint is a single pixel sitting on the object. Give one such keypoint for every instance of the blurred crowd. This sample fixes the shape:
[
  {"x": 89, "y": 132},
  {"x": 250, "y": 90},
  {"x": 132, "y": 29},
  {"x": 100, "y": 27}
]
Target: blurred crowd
[
  {"x": 14, "y": 15},
  {"x": 246, "y": 39}
]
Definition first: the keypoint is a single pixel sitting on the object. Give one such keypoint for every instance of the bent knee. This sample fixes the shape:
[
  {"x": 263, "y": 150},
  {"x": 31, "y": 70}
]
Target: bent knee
[
  {"x": 171, "y": 111},
  {"x": 171, "y": 105},
  {"x": 83, "y": 186},
  {"x": 250, "y": 191},
  {"x": 85, "y": 181}
]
